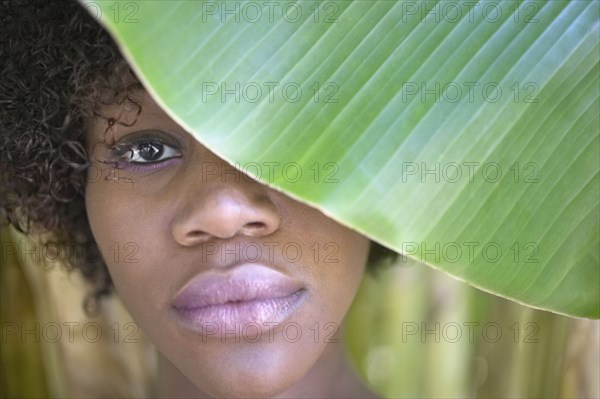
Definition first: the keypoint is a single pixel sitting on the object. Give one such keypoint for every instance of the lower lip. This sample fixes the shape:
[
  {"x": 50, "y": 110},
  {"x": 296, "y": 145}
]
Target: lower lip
[{"x": 246, "y": 318}]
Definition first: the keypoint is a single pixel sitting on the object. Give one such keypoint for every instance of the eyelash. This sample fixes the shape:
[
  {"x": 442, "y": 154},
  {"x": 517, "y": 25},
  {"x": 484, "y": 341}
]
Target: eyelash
[{"x": 123, "y": 154}]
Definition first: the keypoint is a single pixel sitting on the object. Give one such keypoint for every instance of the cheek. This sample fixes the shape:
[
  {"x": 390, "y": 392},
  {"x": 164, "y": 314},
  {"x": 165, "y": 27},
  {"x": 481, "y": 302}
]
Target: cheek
[
  {"x": 340, "y": 268},
  {"x": 127, "y": 231},
  {"x": 344, "y": 277},
  {"x": 339, "y": 254}
]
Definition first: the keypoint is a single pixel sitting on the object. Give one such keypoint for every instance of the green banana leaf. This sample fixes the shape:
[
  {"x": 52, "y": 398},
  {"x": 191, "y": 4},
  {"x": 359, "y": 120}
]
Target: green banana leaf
[{"x": 463, "y": 135}]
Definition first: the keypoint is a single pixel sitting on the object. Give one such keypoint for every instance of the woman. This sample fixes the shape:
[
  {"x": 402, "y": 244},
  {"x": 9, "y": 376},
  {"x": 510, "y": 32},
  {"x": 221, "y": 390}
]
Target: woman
[{"x": 242, "y": 289}]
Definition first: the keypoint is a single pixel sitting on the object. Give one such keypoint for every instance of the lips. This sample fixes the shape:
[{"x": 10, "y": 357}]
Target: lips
[{"x": 248, "y": 298}]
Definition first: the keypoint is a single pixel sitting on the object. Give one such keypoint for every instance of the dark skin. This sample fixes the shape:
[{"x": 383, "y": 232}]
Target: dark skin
[{"x": 171, "y": 211}]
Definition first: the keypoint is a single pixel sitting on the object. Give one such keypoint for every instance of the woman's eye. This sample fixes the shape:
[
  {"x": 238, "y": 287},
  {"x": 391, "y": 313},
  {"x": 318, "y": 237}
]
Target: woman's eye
[{"x": 150, "y": 151}]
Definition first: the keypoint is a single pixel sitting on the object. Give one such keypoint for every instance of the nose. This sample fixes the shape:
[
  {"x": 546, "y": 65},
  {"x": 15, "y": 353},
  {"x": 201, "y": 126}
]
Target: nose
[{"x": 221, "y": 210}]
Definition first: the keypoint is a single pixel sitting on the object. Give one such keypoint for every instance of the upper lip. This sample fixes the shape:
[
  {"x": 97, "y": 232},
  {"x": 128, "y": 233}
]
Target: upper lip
[{"x": 241, "y": 283}]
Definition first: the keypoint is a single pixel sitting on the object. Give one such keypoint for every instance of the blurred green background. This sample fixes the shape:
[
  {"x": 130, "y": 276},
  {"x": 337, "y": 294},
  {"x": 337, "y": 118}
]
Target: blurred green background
[{"x": 412, "y": 332}]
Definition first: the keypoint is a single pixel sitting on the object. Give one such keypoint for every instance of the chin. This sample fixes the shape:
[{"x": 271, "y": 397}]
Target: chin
[
  {"x": 254, "y": 371},
  {"x": 252, "y": 384},
  {"x": 257, "y": 388}
]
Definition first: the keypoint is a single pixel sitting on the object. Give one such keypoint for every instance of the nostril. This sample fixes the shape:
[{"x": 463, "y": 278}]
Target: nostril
[
  {"x": 198, "y": 234},
  {"x": 191, "y": 237},
  {"x": 253, "y": 228}
]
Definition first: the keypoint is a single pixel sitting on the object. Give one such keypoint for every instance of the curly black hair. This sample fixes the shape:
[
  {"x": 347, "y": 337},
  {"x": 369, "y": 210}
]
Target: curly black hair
[{"x": 58, "y": 64}]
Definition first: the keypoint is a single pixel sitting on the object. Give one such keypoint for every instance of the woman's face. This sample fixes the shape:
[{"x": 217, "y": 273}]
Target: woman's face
[{"x": 239, "y": 286}]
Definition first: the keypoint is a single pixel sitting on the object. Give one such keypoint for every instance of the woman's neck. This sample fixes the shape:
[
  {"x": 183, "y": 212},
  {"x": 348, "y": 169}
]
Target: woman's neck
[{"x": 331, "y": 376}]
